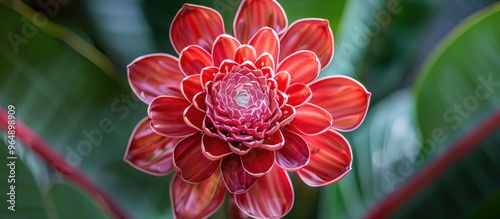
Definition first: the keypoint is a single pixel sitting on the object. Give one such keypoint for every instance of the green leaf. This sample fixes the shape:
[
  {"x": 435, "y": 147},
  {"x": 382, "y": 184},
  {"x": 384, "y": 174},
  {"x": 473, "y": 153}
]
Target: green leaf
[
  {"x": 385, "y": 149},
  {"x": 459, "y": 86},
  {"x": 458, "y": 90},
  {"x": 30, "y": 201},
  {"x": 65, "y": 93}
]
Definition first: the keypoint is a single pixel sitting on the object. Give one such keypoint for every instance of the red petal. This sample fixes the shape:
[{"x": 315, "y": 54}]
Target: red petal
[
  {"x": 299, "y": 94},
  {"x": 288, "y": 115},
  {"x": 311, "y": 120},
  {"x": 214, "y": 148},
  {"x": 227, "y": 65},
  {"x": 253, "y": 15},
  {"x": 148, "y": 151},
  {"x": 190, "y": 86},
  {"x": 271, "y": 197},
  {"x": 273, "y": 141},
  {"x": 194, "y": 117},
  {"x": 344, "y": 98},
  {"x": 331, "y": 159},
  {"x": 193, "y": 59},
  {"x": 303, "y": 66},
  {"x": 195, "y": 25},
  {"x": 224, "y": 48},
  {"x": 196, "y": 200},
  {"x": 264, "y": 60},
  {"x": 244, "y": 53},
  {"x": 309, "y": 34},
  {"x": 237, "y": 180},
  {"x": 167, "y": 117},
  {"x": 283, "y": 79},
  {"x": 199, "y": 101},
  {"x": 266, "y": 40},
  {"x": 207, "y": 74},
  {"x": 155, "y": 75},
  {"x": 295, "y": 154},
  {"x": 258, "y": 161},
  {"x": 189, "y": 159},
  {"x": 239, "y": 148}
]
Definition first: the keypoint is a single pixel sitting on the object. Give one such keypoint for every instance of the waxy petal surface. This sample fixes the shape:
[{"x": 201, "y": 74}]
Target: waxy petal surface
[
  {"x": 266, "y": 40},
  {"x": 195, "y": 25},
  {"x": 237, "y": 180},
  {"x": 154, "y": 75},
  {"x": 189, "y": 159},
  {"x": 309, "y": 34},
  {"x": 148, "y": 151},
  {"x": 303, "y": 66},
  {"x": 193, "y": 59},
  {"x": 344, "y": 98},
  {"x": 224, "y": 48},
  {"x": 311, "y": 120},
  {"x": 196, "y": 200},
  {"x": 295, "y": 154},
  {"x": 331, "y": 159},
  {"x": 252, "y": 15},
  {"x": 167, "y": 117},
  {"x": 214, "y": 148},
  {"x": 257, "y": 161},
  {"x": 271, "y": 197}
]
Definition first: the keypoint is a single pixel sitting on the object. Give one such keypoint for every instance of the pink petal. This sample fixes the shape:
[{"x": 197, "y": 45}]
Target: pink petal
[
  {"x": 299, "y": 94},
  {"x": 271, "y": 197},
  {"x": 253, "y": 15},
  {"x": 257, "y": 161},
  {"x": 331, "y": 159},
  {"x": 195, "y": 25},
  {"x": 311, "y": 120},
  {"x": 194, "y": 117},
  {"x": 344, "y": 98},
  {"x": 193, "y": 59},
  {"x": 148, "y": 151},
  {"x": 309, "y": 34},
  {"x": 214, "y": 148},
  {"x": 190, "y": 86},
  {"x": 167, "y": 117},
  {"x": 295, "y": 154},
  {"x": 244, "y": 53},
  {"x": 237, "y": 180},
  {"x": 189, "y": 159},
  {"x": 224, "y": 48},
  {"x": 303, "y": 66},
  {"x": 266, "y": 40},
  {"x": 155, "y": 75},
  {"x": 196, "y": 200}
]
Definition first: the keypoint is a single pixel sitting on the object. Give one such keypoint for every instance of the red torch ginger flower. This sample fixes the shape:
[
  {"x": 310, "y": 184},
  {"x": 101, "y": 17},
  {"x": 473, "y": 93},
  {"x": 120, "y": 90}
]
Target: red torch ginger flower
[{"x": 233, "y": 114}]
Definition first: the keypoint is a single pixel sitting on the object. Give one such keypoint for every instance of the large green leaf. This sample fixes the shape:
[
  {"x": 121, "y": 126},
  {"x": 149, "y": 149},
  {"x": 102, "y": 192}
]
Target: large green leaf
[
  {"x": 459, "y": 86},
  {"x": 384, "y": 149},
  {"x": 61, "y": 200},
  {"x": 61, "y": 88},
  {"x": 458, "y": 91}
]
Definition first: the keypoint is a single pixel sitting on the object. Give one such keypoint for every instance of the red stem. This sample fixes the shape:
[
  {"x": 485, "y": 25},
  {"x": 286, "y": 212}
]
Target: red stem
[
  {"x": 436, "y": 168},
  {"x": 59, "y": 164}
]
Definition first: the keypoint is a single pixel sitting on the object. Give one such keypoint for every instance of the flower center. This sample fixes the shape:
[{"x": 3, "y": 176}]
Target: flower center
[
  {"x": 241, "y": 105},
  {"x": 242, "y": 98}
]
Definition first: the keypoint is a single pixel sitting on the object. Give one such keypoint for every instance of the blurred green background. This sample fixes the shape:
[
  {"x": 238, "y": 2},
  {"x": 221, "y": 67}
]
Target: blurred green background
[{"x": 433, "y": 68}]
